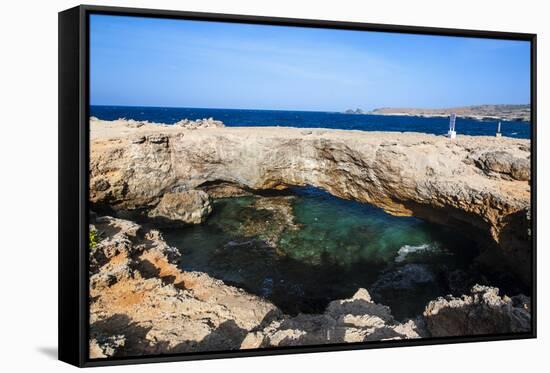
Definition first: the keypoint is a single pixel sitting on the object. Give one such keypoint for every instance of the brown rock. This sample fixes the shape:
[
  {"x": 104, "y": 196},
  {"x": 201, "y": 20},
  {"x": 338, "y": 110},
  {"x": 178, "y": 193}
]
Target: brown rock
[
  {"x": 189, "y": 207},
  {"x": 357, "y": 319},
  {"x": 483, "y": 311},
  {"x": 502, "y": 162},
  {"x": 157, "y": 308}
]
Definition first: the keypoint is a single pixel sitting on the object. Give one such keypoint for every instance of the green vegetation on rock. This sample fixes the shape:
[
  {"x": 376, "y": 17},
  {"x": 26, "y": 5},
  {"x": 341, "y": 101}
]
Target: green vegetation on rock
[{"x": 93, "y": 238}]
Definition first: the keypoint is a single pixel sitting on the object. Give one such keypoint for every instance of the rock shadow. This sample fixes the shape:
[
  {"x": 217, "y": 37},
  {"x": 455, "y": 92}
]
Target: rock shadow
[
  {"x": 119, "y": 336},
  {"x": 227, "y": 336},
  {"x": 149, "y": 270},
  {"x": 507, "y": 317}
]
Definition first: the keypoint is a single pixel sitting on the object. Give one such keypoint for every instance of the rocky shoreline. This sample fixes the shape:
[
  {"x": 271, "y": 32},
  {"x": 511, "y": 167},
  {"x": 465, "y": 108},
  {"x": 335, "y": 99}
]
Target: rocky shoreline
[
  {"x": 142, "y": 303},
  {"x": 166, "y": 175}
]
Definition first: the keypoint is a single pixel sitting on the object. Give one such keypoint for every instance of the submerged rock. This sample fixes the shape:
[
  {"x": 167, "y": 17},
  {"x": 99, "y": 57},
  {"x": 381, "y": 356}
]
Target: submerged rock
[
  {"x": 483, "y": 311},
  {"x": 407, "y": 288},
  {"x": 404, "y": 277},
  {"x": 280, "y": 218}
]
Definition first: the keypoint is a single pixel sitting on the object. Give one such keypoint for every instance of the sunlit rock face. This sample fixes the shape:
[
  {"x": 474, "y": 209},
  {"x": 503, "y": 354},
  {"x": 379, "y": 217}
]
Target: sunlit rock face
[
  {"x": 482, "y": 311},
  {"x": 480, "y": 185}
]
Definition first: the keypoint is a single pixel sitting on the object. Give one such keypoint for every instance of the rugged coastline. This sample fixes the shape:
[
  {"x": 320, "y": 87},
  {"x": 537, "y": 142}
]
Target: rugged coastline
[
  {"x": 167, "y": 175},
  {"x": 141, "y": 303},
  {"x": 478, "y": 184},
  {"x": 521, "y": 113}
]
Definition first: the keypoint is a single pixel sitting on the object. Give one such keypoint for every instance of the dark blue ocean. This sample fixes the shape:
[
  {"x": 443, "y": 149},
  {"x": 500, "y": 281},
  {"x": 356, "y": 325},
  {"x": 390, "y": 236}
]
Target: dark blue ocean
[{"x": 313, "y": 119}]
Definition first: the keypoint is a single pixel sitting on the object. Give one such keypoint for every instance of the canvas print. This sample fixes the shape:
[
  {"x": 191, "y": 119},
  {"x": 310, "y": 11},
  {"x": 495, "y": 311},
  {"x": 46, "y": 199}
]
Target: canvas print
[{"x": 259, "y": 186}]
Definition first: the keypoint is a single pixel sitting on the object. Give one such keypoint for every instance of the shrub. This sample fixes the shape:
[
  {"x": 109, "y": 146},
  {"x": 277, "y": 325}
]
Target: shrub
[{"x": 94, "y": 239}]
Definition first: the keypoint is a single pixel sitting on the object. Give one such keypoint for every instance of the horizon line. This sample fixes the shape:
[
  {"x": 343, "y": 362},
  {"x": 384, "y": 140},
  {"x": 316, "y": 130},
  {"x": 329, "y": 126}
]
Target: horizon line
[{"x": 306, "y": 110}]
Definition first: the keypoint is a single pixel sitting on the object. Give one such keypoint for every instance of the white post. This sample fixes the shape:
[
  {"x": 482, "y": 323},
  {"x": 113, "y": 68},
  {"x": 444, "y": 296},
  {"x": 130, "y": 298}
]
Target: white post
[
  {"x": 452, "y": 127},
  {"x": 498, "y": 130}
]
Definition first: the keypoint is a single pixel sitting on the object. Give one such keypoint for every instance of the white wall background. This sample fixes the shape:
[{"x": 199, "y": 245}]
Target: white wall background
[{"x": 28, "y": 182}]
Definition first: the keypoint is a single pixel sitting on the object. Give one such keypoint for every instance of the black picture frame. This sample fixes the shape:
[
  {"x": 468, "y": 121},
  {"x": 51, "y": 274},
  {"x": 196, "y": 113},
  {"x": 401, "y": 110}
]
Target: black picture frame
[{"x": 73, "y": 180}]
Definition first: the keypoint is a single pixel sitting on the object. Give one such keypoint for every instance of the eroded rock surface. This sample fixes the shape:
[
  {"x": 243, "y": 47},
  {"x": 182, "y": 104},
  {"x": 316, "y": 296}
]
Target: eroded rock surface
[
  {"x": 501, "y": 163},
  {"x": 483, "y": 311},
  {"x": 476, "y": 184},
  {"x": 199, "y": 123},
  {"x": 180, "y": 208},
  {"x": 141, "y": 303},
  {"x": 357, "y": 319}
]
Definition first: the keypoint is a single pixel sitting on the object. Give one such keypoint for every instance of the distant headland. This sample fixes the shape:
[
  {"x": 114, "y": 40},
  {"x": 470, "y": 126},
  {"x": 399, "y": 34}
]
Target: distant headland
[{"x": 477, "y": 112}]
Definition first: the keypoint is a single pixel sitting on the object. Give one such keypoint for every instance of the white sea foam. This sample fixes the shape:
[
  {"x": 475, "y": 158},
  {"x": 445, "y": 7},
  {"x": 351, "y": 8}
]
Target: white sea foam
[{"x": 409, "y": 249}]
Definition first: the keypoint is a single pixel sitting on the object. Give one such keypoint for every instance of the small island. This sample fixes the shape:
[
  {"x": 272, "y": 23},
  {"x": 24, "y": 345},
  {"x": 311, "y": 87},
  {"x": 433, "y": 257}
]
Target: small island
[{"x": 356, "y": 111}]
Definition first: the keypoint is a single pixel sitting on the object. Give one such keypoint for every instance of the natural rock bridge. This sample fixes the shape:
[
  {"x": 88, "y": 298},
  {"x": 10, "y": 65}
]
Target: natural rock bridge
[{"x": 480, "y": 185}]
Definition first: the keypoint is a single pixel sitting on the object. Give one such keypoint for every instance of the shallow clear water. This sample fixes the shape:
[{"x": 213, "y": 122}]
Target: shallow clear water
[{"x": 333, "y": 248}]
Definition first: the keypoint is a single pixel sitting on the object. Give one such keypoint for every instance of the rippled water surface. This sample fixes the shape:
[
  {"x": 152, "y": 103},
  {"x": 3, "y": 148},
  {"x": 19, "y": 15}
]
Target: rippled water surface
[{"x": 327, "y": 250}]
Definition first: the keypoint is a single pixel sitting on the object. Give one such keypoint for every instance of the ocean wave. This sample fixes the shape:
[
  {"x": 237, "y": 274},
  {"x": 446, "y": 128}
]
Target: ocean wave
[{"x": 405, "y": 250}]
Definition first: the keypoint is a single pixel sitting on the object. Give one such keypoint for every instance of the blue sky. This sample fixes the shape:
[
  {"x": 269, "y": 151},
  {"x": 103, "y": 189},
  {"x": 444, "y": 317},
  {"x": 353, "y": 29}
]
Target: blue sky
[{"x": 138, "y": 61}]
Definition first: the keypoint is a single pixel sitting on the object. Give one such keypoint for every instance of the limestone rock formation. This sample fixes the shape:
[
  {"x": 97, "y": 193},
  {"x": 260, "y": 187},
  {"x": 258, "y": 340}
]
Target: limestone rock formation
[
  {"x": 357, "y": 319},
  {"x": 199, "y": 123},
  {"x": 188, "y": 207},
  {"x": 476, "y": 184},
  {"x": 505, "y": 164},
  {"x": 141, "y": 303},
  {"x": 483, "y": 311}
]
